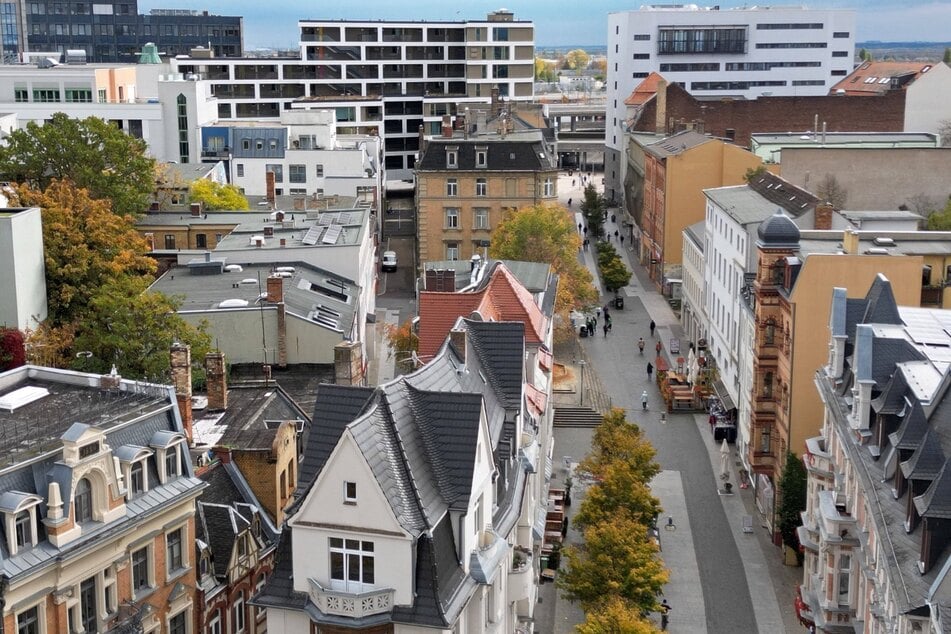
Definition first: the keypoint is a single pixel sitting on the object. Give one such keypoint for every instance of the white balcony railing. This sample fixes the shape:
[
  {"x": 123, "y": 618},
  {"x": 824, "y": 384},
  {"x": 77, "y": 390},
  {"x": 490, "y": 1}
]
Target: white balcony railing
[{"x": 352, "y": 604}]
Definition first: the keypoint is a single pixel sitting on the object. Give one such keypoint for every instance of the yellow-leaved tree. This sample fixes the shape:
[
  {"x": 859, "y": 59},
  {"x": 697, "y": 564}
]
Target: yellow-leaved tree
[{"x": 217, "y": 196}]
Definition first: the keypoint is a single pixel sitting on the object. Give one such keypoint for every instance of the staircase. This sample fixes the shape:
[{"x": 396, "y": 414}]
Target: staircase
[{"x": 576, "y": 417}]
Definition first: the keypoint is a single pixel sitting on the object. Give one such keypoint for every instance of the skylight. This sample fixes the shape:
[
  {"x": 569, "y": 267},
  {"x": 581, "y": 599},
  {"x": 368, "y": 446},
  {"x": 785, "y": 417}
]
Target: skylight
[{"x": 23, "y": 396}]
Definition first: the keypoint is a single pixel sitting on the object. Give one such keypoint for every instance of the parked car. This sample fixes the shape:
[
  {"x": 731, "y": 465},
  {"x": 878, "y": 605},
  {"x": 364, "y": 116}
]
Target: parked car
[{"x": 389, "y": 261}]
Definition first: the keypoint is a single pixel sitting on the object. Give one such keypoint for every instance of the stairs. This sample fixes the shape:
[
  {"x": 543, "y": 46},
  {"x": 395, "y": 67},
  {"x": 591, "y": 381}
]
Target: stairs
[{"x": 584, "y": 417}]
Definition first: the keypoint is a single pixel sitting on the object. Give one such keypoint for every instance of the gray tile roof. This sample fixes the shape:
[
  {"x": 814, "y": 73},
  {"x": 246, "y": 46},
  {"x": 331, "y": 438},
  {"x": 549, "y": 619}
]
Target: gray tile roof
[
  {"x": 927, "y": 461},
  {"x": 677, "y": 143},
  {"x": 912, "y": 430},
  {"x": 935, "y": 503},
  {"x": 221, "y": 525},
  {"x": 881, "y": 305},
  {"x": 508, "y": 155},
  {"x": 499, "y": 346}
]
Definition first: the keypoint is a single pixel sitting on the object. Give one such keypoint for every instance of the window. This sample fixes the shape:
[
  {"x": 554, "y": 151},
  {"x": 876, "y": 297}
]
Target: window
[
  {"x": 642, "y": 37},
  {"x": 320, "y": 171},
  {"x": 176, "y": 624},
  {"x": 240, "y": 168},
  {"x": 87, "y": 605},
  {"x": 452, "y": 251},
  {"x": 352, "y": 567},
  {"x": 480, "y": 218},
  {"x": 840, "y": 53},
  {"x": 452, "y": 187},
  {"x": 214, "y": 623},
  {"x": 21, "y": 95},
  {"x": 297, "y": 173},
  {"x": 350, "y": 492},
  {"x": 169, "y": 242},
  {"x": 452, "y": 218},
  {"x": 46, "y": 95},
  {"x": 140, "y": 571},
  {"x": 702, "y": 40},
  {"x": 764, "y": 440},
  {"x": 171, "y": 453},
  {"x": 23, "y": 529},
  {"x": 769, "y": 337},
  {"x": 452, "y": 159},
  {"x": 481, "y": 187},
  {"x": 137, "y": 478},
  {"x": 82, "y": 501},
  {"x": 174, "y": 559},
  {"x": 548, "y": 188},
  {"x": 840, "y": 34},
  {"x": 277, "y": 170},
  {"x": 28, "y": 621},
  {"x": 845, "y": 577},
  {"x": 482, "y": 157},
  {"x": 260, "y": 612},
  {"x": 768, "y": 385},
  {"x": 182, "y": 111},
  {"x": 237, "y": 613},
  {"x": 641, "y": 56}
]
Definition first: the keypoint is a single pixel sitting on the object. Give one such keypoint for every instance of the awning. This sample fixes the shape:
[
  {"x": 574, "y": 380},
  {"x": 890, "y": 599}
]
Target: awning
[{"x": 725, "y": 399}]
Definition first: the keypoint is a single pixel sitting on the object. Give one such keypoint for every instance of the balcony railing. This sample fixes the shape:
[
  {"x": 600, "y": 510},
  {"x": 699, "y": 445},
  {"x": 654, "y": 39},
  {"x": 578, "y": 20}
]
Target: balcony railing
[{"x": 351, "y": 604}]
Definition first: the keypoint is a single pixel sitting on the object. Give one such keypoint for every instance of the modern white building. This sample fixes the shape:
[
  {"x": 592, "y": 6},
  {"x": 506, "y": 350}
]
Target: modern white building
[
  {"x": 380, "y": 77},
  {"x": 734, "y": 53},
  {"x": 22, "y": 268}
]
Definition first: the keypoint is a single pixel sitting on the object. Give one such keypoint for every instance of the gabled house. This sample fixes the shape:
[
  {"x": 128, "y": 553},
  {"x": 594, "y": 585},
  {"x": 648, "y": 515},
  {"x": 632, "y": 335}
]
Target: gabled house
[
  {"x": 415, "y": 495},
  {"x": 97, "y": 505},
  {"x": 875, "y": 531}
]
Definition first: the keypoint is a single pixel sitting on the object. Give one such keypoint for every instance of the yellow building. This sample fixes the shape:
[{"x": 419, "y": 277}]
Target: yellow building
[
  {"x": 464, "y": 187},
  {"x": 676, "y": 171}
]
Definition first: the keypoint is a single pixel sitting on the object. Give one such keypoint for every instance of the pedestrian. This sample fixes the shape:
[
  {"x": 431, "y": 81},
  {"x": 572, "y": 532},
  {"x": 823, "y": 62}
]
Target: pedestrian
[
  {"x": 664, "y": 614},
  {"x": 653, "y": 325},
  {"x": 607, "y": 311},
  {"x": 622, "y": 239},
  {"x": 607, "y": 321},
  {"x": 613, "y": 218},
  {"x": 606, "y": 327},
  {"x": 644, "y": 400},
  {"x": 569, "y": 202},
  {"x": 586, "y": 231},
  {"x": 616, "y": 233},
  {"x": 658, "y": 348},
  {"x": 572, "y": 182},
  {"x": 597, "y": 311},
  {"x": 650, "y": 370},
  {"x": 640, "y": 344},
  {"x": 579, "y": 224}
]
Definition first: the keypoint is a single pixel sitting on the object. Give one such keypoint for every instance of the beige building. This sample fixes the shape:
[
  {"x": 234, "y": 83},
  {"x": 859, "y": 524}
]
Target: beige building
[{"x": 466, "y": 185}]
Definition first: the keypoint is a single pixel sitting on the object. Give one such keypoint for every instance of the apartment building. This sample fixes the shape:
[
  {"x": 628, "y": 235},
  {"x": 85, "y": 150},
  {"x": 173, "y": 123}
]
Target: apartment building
[
  {"x": 98, "y": 505},
  {"x": 728, "y": 53},
  {"x": 875, "y": 530},
  {"x": 388, "y": 78},
  {"x": 113, "y": 30},
  {"x": 466, "y": 185}
]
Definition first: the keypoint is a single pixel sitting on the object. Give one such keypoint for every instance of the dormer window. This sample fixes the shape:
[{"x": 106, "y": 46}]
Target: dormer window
[
  {"x": 20, "y": 524},
  {"x": 452, "y": 157},
  {"x": 138, "y": 480},
  {"x": 482, "y": 157},
  {"x": 168, "y": 448},
  {"x": 134, "y": 466},
  {"x": 172, "y": 463}
]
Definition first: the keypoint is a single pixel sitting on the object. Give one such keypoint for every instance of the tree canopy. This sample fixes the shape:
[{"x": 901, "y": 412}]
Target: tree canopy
[
  {"x": 792, "y": 500},
  {"x": 403, "y": 342},
  {"x": 615, "y": 616},
  {"x": 577, "y": 60},
  {"x": 92, "y": 153},
  {"x": 614, "y": 273},
  {"x": 940, "y": 220},
  {"x": 545, "y": 70},
  {"x": 217, "y": 196},
  {"x": 547, "y": 233},
  {"x": 594, "y": 208}
]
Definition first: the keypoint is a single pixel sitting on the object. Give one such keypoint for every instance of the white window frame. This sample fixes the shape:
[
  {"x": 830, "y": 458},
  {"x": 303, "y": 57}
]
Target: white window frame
[
  {"x": 548, "y": 187},
  {"x": 480, "y": 217},
  {"x": 260, "y": 611},
  {"x": 451, "y": 217},
  {"x": 452, "y": 251},
  {"x": 40, "y": 618},
  {"x": 186, "y": 620},
  {"x": 364, "y": 551},
  {"x": 142, "y": 469},
  {"x": 182, "y": 530},
  {"x": 347, "y": 497},
  {"x": 214, "y": 623},
  {"x": 482, "y": 157},
  {"x": 452, "y": 159},
  {"x": 239, "y": 617},
  {"x": 452, "y": 187},
  {"x": 149, "y": 571},
  {"x": 481, "y": 187}
]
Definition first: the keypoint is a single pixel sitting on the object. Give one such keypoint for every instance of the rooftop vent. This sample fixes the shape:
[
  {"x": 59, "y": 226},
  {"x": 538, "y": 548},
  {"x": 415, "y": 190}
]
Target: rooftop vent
[
  {"x": 23, "y": 396},
  {"x": 233, "y": 303},
  {"x": 876, "y": 251},
  {"x": 884, "y": 242}
]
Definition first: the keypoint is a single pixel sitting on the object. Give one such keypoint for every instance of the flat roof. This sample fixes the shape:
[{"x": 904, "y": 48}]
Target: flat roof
[
  {"x": 741, "y": 203},
  {"x": 836, "y": 138},
  {"x": 316, "y": 230}
]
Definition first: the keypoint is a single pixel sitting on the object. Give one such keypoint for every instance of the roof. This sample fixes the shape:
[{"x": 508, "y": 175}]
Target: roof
[
  {"x": 508, "y": 155},
  {"x": 181, "y": 175},
  {"x": 499, "y": 347},
  {"x": 696, "y": 233},
  {"x": 500, "y": 297},
  {"x": 778, "y": 230},
  {"x": 677, "y": 144},
  {"x": 778, "y": 191},
  {"x": 644, "y": 90},
  {"x": 809, "y": 138},
  {"x": 875, "y": 78},
  {"x": 534, "y": 276}
]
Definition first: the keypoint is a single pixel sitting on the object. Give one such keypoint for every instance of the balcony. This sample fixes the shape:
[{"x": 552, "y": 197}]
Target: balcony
[
  {"x": 521, "y": 577},
  {"x": 817, "y": 460},
  {"x": 351, "y": 604}
]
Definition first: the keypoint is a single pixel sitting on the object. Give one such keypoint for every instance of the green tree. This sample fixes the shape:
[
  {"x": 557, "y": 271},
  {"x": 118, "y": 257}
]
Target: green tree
[
  {"x": 217, "y": 196},
  {"x": 617, "y": 440},
  {"x": 85, "y": 246},
  {"x": 403, "y": 342},
  {"x": 545, "y": 70},
  {"x": 577, "y": 60},
  {"x": 865, "y": 55},
  {"x": 90, "y": 152},
  {"x": 547, "y": 233},
  {"x": 594, "y": 209},
  {"x": 134, "y": 330},
  {"x": 618, "y": 558},
  {"x": 947, "y": 56},
  {"x": 614, "y": 273},
  {"x": 940, "y": 220},
  {"x": 792, "y": 500},
  {"x": 615, "y": 616}
]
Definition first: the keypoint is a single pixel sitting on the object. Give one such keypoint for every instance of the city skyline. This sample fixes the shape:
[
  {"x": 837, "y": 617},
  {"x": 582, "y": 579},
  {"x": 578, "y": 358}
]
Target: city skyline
[{"x": 557, "y": 23}]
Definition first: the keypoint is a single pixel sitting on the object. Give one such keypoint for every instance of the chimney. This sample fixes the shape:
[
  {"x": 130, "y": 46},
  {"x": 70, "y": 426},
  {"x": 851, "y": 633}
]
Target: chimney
[
  {"x": 110, "y": 381},
  {"x": 216, "y": 381},
  {"x": 195, "y": 209},
  {"x": 458, "y": 340},
  {"x": 281, "y": 334},
  {"x": 348, "y": 363},
  {"x": 283, "y": 242},
  {"x": 268, "y": 231},
  {"x": 823, "y": 216},
  {"x": 275, "y": 289},
  {"x": 660, "y": 107},
  {"x": 269, "y": 186},
  {"x": 850, "y": 241},
  {"x": 447, "y": 126},
  {"x": 279, "y": 216},
  {"x": 180, "y": 356},
  {"x": 496, "y": 106}
]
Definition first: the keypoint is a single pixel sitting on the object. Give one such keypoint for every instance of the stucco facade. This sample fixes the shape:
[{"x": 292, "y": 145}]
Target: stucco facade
[{"x": 22, "y": 268}]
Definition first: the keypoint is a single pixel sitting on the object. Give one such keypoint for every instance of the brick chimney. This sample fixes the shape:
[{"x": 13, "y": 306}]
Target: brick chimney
[
  {"x": 195, "y": 209},
  {"x": 348, "y": 363},
  {"x": 823, "y": 216},
  {"x": 275, "y": 289},
  {"x": 447, "y": 126},
  {"x": 269, "y": 186},
  {"x": 496, "y": 105},
  {"x": 660, "y": 107},
  {"x": 458, "y": 340},
  {"x": 110, "y": 381},
  {"x": 180, "y": 356},
  {"x": 216, "y": 381}
]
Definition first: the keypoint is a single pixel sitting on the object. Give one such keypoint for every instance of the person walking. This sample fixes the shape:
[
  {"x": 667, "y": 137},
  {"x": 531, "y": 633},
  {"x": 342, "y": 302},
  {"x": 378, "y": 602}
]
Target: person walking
[
  {"x": 650, "y": 370},
  {"x": 613, "y": 218},
  {"x": 607, "y": 321},
  {"x": 569, "y": 202},
  {"x": 653, "y": 325},
  {"x": 606, "y": 327},
  {"x": 640, "y": 345},
  {"x": 607, "y": 312},
  {"x": 644, "y": 400},
  {"x": 622, "y": 239},
  {"x": 579, "y": 224},
  {"x": 664, "y": 614},
  {"x": 659, "y": 347}
]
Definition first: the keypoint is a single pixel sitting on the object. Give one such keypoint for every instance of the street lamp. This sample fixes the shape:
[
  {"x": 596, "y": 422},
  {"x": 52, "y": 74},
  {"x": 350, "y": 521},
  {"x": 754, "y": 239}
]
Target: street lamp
[{"x": 582, "y": 363}]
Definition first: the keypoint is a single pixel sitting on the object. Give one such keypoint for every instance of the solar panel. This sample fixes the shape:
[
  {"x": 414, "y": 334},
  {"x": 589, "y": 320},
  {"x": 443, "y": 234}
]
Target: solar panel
[
  {"x": 343, "y": 218},
  {"x": 313, "y": 234},
  {"x": 333, "y": 233},
  {"x": 325, "y": 219}
]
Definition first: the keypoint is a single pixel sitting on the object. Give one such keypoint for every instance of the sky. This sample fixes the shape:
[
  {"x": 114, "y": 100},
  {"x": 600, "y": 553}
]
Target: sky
[{"x": 557, "y": 22}]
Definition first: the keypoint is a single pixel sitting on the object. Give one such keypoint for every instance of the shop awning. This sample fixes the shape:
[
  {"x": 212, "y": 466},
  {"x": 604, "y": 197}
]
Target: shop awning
[{"x": 725, "y": 399}]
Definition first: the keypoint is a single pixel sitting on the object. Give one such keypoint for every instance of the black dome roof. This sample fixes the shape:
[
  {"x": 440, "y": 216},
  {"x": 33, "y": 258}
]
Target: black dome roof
[{"x": 778, "y": 229}]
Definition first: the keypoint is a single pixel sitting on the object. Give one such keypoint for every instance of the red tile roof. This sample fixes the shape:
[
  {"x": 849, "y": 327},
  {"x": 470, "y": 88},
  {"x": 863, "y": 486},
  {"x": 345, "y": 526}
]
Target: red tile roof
[
  {"x": 503, "y": 298},
  {"x": 644, "y": 90},
  {"x": 874, "y": 78}
]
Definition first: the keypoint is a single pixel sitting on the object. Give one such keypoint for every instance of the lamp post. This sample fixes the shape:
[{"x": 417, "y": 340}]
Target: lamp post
[{"x": 582, "y": 363}]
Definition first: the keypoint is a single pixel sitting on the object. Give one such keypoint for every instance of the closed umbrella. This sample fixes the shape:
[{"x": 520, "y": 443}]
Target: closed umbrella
[{"x": 724, "y": 460}]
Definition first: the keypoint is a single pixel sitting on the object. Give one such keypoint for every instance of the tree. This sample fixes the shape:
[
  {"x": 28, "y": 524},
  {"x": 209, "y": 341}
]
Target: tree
[
  {"x": 617, "y": 440},
  {"x": 544, "y": 70},
  {"x": 403, "y": 343},
  {"x": 547, "y": 233},
  {"x": 752, "y": 174},
  {"x": 947, "y": 56},
  {"x": 217, "y": 196},
  {"x": 615, "y": 616},
  {"x": 829, "y": 190},
  {"x": 618, "y": 558},
  {"x": 577, "y": 60},
  {"x": 12, "y": 349},
  {"x": 865, "y": 55},
  {"x": 614, "y": 273},
  {"x": 92, "y": 153},
  {"x": 593, "y": 208},
  {"x": 620, "y": 492},
  {"x": 85, "y": 245},
  {"x": 940, "y": 220},
  {"x": 792, "y": 500},
  {"x": 944, "y": 131}
]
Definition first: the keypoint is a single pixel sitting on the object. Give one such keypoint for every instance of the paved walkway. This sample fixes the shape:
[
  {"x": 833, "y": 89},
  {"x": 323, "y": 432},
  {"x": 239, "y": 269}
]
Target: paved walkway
[{"x": 722, "y": 579}]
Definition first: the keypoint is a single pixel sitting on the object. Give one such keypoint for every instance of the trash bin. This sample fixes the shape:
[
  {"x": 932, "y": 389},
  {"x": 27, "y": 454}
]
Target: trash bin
[
  {"x": 583, "y": 332},
  {"x": 618, "y": 301}
]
